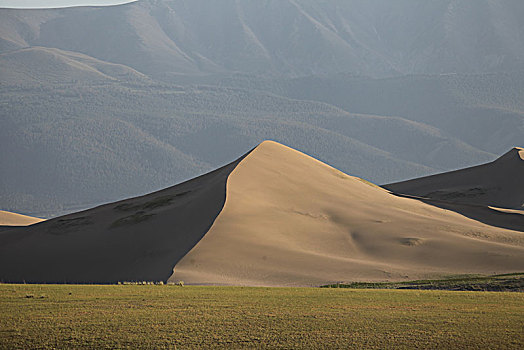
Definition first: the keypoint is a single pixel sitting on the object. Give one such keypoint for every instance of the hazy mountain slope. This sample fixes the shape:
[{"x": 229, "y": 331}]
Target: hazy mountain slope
[
  {"x": 69, "y": 162},
  {"x": 18, "y": 29},
  {"x": 41, "y": 66},
  {"x": 285, "y": 37},
  {"x": 92, "y": 136},
  {"x": 14, "y": 219},
  {"x": 140, "y": 41},
  {"x": 138, "y": 239},
  {"x": 485, "y": 111},
  {"x": 273, "y": 217},
  {"x": 434, "y": 147},
  {"x": 498, "y": 183}
]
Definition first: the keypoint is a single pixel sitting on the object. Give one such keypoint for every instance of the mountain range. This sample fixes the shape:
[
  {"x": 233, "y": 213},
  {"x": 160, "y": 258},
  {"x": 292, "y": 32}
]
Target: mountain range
[
  {"x": 101, "y": 103},
  {"x": 292, "y": 37}
]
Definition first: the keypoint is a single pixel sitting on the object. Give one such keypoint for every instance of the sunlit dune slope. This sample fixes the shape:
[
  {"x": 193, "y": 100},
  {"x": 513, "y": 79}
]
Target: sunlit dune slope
[{"x": 14, "y": 219}]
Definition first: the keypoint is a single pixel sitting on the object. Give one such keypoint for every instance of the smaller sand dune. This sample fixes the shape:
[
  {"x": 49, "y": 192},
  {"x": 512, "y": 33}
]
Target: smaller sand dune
[
  {"x": 499, "y": 184},
  {"x": 14, "y": 219}
]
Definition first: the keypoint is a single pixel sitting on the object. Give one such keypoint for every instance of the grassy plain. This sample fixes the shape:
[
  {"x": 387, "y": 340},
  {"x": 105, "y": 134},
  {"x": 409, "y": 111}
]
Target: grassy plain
[{"x": 151, "y": 316}]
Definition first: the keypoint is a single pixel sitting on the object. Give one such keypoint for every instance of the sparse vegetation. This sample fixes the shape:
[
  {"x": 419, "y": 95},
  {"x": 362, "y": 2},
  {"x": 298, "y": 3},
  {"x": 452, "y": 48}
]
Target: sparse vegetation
[
  {"x": 145, "y": 316},
  {"x": 131, "y": 219},
  {"x": 152, "y": 204},
  {"x": 454, "y": 195},
  {"x": 63, "y": 226},
  {"x": 499, "y": 283}
]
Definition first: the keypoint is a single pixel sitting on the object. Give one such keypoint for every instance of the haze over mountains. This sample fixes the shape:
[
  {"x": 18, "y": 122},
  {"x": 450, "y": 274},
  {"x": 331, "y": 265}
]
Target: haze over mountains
[
  {"x": 285, "y": 37},
  {"x": 274, "y": 217},
  {"x": 98, "y": 104}
]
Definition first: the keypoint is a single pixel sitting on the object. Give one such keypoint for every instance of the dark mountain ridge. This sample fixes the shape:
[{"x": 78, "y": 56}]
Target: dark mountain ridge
[{"x": 283, "y": 37}]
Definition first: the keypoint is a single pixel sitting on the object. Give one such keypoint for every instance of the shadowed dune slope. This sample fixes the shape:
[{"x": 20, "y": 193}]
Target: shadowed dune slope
[
  {"x": 138, "y": 239},
  {"x": 499, "y": 183},
  {"x": 290, "y": 220},
  {"x": 14, "y": 219}
]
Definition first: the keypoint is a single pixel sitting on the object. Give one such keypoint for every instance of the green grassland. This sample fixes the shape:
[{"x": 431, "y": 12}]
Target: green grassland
[
  {"x": 513, "y": 282},
  {"x": 165, "y": 316}
]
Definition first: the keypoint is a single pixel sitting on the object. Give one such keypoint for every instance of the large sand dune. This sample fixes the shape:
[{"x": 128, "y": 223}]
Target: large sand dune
[
  {"x": 273, "y": 217},
  {"x": 292, "y": 220}
]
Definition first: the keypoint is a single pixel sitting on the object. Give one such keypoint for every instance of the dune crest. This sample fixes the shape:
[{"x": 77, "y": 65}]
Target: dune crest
[
  {"x": 290, "y": 220},
  {"x": 515, "y": 155},
  {"x": 520, "y": 152}
]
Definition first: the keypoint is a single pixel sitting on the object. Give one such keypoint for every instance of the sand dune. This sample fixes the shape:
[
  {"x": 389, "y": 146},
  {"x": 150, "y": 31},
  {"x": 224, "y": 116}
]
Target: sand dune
[
  {"x": 499, "y": 183},
  {"x": 292, "y": 220},
  {"x": 138, "y": 239},
  {"x": 14, "y": 219},
  {"x": 273, "y": 217}
]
